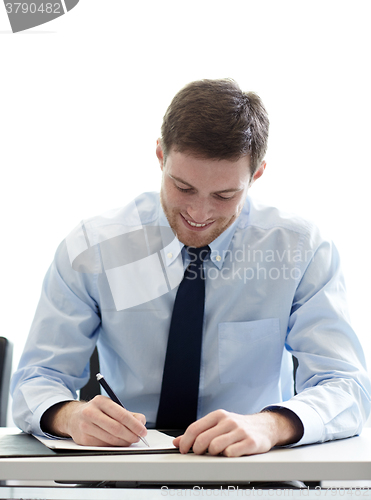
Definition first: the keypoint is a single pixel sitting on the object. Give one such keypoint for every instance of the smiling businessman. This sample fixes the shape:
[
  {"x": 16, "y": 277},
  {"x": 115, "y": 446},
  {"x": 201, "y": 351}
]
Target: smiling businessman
[{"x": 197, "y": 298}]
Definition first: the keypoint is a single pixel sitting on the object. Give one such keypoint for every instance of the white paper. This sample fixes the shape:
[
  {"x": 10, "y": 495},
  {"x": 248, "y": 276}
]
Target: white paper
[{"x": 158, "y": 441}]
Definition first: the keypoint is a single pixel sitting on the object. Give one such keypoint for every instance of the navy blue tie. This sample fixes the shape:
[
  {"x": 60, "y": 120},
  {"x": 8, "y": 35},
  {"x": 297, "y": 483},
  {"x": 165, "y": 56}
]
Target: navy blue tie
[{"x": 181, "y": 377}]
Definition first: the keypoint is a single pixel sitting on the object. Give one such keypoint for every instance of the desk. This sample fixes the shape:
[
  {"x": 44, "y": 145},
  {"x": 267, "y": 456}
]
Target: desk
[{"x": 347, "y": 459}]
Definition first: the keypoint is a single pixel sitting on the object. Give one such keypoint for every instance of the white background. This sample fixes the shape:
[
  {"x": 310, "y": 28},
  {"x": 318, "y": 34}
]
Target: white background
[{"x": 82, "y": 100}]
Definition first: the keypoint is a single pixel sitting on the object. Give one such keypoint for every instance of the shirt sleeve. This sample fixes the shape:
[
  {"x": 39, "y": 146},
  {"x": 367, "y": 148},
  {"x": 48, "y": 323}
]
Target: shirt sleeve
[
  {"x": 333, "y": 399},
  {"x": 55, "y": 360}
]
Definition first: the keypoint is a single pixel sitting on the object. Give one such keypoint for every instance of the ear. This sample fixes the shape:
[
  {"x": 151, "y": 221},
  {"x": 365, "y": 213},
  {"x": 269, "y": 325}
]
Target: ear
[
  {"x": 160, "y": 153},
  {"x": 259, "y": 172}
]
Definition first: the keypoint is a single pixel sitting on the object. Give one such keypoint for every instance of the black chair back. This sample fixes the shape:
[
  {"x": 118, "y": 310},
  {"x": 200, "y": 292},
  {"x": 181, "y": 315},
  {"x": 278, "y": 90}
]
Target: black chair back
[
  {"x": 6, "y": 358},
  {"x": 92, "y": 388}
]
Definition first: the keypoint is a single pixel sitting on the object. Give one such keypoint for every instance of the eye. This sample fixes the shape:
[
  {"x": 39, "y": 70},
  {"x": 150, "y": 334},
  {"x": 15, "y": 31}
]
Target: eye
[
  {"x": 225, "y": 198},
  {"x": 187, "y": 190}
]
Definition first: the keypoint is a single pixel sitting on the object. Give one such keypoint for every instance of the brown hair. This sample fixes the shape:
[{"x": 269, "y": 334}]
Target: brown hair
[{"x": 215, "y": 119}]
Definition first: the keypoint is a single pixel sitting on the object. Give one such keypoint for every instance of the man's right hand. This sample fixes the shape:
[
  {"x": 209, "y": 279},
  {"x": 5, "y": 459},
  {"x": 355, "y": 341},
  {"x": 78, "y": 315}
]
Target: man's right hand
[{"x": 99, "y": 422}]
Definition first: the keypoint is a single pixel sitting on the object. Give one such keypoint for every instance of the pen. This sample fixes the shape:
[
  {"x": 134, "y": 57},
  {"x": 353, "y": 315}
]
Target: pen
[{"x": 114, "y": 398}]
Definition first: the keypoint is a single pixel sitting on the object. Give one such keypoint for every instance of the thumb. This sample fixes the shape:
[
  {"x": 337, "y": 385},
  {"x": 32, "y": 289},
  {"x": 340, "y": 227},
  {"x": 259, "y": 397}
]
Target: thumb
[{"x": 176, "y": 441}]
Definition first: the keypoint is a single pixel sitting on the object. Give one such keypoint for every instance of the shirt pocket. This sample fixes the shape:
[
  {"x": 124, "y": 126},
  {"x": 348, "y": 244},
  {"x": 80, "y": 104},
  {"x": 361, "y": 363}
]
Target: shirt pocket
[{"x": 250, "y": 352}]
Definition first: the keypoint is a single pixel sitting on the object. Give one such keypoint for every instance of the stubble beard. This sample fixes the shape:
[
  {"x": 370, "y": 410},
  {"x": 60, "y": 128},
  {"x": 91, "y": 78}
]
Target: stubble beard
[{"x": 198, "y": 239}]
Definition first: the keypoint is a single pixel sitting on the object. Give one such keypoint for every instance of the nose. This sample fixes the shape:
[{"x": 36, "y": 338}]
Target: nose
[{"x": 199, "y": 211}]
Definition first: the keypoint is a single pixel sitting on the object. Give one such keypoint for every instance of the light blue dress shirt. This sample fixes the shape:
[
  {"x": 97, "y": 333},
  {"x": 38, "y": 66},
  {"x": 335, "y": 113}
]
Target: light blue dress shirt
[{"x": 273, "y": 289}]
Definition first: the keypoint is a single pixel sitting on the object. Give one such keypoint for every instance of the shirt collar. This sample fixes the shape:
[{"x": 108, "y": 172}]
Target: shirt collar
[{"x": 221, "y": 244}]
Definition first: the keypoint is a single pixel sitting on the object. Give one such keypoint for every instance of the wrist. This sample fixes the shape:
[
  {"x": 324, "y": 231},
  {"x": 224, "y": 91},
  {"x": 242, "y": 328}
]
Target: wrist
[
  {"x": 55, "y": 420},
  {"x": 285, "y": 426}
]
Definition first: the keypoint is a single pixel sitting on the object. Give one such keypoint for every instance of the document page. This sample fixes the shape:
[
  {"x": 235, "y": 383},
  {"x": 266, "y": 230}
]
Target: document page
[{"x": 158, "y": 441}]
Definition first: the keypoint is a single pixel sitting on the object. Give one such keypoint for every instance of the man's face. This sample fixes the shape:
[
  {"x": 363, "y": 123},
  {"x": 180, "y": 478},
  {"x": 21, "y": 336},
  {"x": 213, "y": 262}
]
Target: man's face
[{"x": 202, "y": 197}]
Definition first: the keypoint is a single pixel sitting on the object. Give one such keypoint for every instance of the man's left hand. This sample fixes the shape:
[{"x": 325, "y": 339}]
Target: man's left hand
[{"x": 234, "y": 435}]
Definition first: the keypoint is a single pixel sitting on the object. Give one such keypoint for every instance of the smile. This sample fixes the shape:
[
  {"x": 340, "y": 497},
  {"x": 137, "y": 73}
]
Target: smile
[{"x": 195, "y": 224}]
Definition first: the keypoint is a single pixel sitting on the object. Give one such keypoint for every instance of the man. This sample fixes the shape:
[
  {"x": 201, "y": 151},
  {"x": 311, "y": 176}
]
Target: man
[{"x": 272, "y": 288}]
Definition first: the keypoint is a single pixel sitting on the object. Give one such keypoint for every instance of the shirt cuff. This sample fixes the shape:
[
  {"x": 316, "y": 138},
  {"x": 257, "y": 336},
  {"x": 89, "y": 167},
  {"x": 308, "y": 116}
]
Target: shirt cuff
[{"x": 313, "y": 425}]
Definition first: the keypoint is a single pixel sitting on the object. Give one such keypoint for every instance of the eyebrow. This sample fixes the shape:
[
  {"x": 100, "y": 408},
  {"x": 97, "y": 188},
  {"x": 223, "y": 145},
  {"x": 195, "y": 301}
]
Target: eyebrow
[{"x": 230, "y": 190}]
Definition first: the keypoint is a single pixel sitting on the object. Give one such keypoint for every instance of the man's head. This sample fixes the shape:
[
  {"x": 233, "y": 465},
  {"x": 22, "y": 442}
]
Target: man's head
[
  {"x": 214, "y": 138},
  {"x": 214, "y": 119}
]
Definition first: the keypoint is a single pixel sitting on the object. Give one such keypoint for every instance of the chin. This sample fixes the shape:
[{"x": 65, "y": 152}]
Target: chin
[{"x": 199, "y": 239}]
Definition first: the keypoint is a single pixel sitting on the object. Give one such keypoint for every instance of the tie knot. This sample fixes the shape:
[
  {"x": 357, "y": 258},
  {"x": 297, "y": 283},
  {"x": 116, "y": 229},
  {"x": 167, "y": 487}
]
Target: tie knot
[{"x": 198, "y": 254}]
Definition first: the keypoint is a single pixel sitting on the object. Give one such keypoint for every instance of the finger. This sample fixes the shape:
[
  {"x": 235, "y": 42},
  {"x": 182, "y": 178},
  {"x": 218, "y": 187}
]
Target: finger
[
  {"x": 204, "y": 440},
  {"x": 239, "y": 443},
  {"x": 118, "y": 430},
  {"x": 96, "y": 436},
  {"x": 241, "y": 448},
  {"x": 213, "y": 439},
  {"x": 134, "y": 424},
  {"x": 176, "y": 441},
  {"x": 224, "y": 441},
  {"x": 94, "y": 424},
  {"x": 114, "y": 420},
  {"x": 198, "y": 427},
  {"x": 140, "y": 417}
]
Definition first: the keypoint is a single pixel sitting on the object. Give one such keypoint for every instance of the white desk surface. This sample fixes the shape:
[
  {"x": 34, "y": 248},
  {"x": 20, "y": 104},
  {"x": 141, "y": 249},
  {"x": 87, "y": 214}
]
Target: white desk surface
[{"x": 347, "y": 459}]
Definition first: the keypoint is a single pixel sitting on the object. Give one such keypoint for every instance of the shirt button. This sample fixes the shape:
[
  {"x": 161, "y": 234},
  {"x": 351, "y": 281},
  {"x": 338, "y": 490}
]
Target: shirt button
[
  {"x": 169, "y": 255},
  {"x": 218, "y": 258}
]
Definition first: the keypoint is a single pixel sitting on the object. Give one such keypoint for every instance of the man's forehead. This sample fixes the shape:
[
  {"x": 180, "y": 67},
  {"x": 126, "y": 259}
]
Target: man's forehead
[
  {"x": 178, "y": 162},
  {"x": 174, "y": 150}
]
